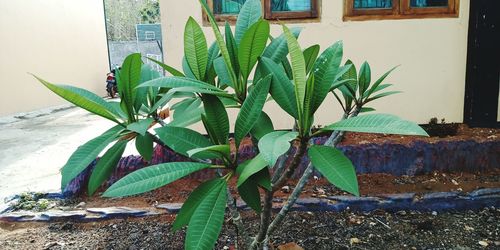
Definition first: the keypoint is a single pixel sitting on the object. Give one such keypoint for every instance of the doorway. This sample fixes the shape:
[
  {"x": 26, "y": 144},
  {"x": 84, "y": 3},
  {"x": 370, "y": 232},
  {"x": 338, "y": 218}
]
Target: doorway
[{"x": 481, "y": 107}]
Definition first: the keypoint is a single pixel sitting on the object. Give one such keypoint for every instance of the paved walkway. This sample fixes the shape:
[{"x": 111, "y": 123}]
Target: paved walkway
[{"x": 34, "y": 146}]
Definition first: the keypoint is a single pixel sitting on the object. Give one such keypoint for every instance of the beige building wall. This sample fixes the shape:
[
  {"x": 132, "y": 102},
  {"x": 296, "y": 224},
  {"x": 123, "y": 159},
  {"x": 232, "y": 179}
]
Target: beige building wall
[
  {"x": 431, "y": 52},
  {"x": 59, "y": 40}
]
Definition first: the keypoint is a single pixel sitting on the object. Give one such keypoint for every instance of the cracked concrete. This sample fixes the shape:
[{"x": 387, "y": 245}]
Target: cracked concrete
[{"x": 35, "y": 145}]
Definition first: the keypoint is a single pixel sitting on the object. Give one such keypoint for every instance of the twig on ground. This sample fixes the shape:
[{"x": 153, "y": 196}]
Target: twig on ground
[{"x": 383, "y": 224}]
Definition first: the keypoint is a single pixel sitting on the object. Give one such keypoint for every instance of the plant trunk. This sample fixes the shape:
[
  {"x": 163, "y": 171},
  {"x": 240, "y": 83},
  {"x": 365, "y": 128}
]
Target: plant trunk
[{"x": 332, "y": 141}]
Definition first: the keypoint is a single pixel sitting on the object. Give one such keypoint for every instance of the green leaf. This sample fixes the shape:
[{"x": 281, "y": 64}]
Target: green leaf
[
  {"x": 210, "y": 130},
  {"x": 310, "y": 55},
  {"x": 349, "y": 90},
  {"x": 206, "y": 222},
  {"x": 177, "y": 82},
  {"x": 250, "y": 167},
  {"x": 378, "y": 123},
  {"x": 325, "y": 71},
  {"x": 262, "y": 178},
  {"x": 263, "y": 126},
  {"x": 232, "y": 48},
  {"x": 222, "y": 72},
  {"x": 195, "y": 49},
  {"x": 281, "y": 88},
  {"x": 308, "y": 112},
  {"x": 366, "y": 109},
  {"x": 251, "y": 109},
  {"x": 275, "y": 144},
  {"x": 187, "y": 69},
  {"x": 378, "y": 82},
  {"x": 210, "y": 152},
  {"x": 141, "y": 126},
  {"x": 251, "y": 46},
  {"x": 181, "y": 140},
  {"x": 83, "y": 99},
  {"x": 278, "y": 48},
  {"x": 249, "y": 14},
  {"x": 188, "y": 113},
  {"x": 336, "y": 167},
  {"x": 193, "y": 201},
  {"x": 167, "y": 68},
  {"x": 153, "y": 177},
  {"x": 213, "y": 53},
  {"x": 381, "y": 87},
  {"x": 128, "y": 79},
  {"x": 86, "y": 153},
  {"x": 299, "y": 70},
  {"x": 105, "y": 166},
  {"x": 364, "y": 78},
  {"x": 144, "y": 145},
  {"x": 193, "y": 90},
  {"x": 249, "y": 192},
  {"x": 216, "y": 117},
  {"x": 382, "y": 95},
  {"x": 220, "y": 41}
]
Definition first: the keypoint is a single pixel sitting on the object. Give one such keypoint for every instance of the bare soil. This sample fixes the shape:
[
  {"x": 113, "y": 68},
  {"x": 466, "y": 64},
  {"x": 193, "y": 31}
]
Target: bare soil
[{"x": 322, "y": 230}]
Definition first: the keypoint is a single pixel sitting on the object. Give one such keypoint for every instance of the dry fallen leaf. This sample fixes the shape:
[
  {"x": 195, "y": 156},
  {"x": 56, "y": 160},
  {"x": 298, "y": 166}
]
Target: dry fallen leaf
[{"x": 290, "y": 246}]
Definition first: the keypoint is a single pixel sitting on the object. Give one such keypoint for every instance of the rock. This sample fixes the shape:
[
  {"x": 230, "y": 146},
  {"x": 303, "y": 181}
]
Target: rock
[
  {"x": 354, "y": 241},
  {"x": 117, "y": 211},
  {"x": 321, "y": 191},
  {"x": 57, "y": 214},
  {"x": 434, "y": 213},
  {"x": 81, "y": 205},
  {"x": 290, "y": 246},
  {"x": 483, "y": 243},
  {"x": 285, "y": 189},
  {"x": 467, "y": 228}
]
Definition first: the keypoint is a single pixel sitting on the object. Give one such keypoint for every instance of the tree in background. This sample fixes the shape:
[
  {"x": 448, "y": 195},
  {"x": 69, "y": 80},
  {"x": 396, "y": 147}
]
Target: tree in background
[{"x": 123, "y": 15}]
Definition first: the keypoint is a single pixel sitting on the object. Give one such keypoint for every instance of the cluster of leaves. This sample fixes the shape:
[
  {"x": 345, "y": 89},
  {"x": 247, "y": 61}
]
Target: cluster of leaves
[{"x": 213, "y": 79}]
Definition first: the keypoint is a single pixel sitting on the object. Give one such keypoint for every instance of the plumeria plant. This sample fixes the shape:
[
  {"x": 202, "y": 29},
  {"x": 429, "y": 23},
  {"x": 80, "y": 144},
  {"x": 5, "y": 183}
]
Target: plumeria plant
[{"x": 241, "y": 70}]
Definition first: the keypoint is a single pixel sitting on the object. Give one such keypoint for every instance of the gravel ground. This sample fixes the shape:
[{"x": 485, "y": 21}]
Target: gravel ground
[{"x": 320, "y": 230}]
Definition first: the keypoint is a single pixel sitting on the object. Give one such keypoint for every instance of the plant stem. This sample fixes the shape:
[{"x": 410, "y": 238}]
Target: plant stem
[
  {"x": 297, "y": 158},
  {"x": 237, "y": 220},
  {"x": 157, "y": 140},
  {"x": 265, "y": 218},
  {"x": 332, "y": 141}
]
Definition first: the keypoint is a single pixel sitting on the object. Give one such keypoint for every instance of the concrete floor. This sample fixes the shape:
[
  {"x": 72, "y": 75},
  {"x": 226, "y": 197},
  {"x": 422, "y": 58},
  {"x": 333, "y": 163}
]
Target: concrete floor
[{"x": 34, "y": 146}]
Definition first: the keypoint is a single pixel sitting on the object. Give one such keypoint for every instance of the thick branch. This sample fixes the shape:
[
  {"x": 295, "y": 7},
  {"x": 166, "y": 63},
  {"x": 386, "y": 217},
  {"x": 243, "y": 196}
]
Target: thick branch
[
  {"x": 297, "y": 159},
  {"x": 332, "y": 141}
]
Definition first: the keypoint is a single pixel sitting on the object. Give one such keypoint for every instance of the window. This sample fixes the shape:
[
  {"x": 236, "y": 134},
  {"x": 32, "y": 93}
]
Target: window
[
  {"x": 399, "y": 9},
  {"x": 150, "y": 35},
  {"x": 290, "y": 9},
  {"x": 227, "y": 10}
]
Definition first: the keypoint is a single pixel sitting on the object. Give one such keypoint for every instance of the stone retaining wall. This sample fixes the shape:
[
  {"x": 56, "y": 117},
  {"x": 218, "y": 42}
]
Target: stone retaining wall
[{"x": 416, "y": 158}]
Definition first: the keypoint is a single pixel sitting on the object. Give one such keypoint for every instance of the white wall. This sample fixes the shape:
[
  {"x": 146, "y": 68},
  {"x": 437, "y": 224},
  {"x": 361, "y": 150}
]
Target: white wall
[
  {"x": 59, "y": 40},
  {"x": 431, "y": 52}
]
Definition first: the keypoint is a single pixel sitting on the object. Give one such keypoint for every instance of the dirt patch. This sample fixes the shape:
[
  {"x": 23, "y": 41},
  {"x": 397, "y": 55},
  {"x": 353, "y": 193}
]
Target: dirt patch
[
  {"x": 369, "y": 184},
  {"x": 322, "y": 230},
  {"x": 463, "y": 133}
]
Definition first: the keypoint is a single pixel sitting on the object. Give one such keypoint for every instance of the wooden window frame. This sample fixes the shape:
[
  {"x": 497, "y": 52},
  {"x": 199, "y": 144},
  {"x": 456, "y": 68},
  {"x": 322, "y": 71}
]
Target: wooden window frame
[
  {"x": 401, "y": 9},
  {"x": 311, "y": 14},
  {"x": 296, "y": 16}
]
